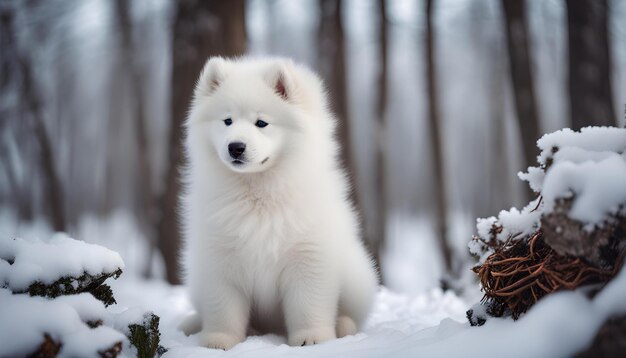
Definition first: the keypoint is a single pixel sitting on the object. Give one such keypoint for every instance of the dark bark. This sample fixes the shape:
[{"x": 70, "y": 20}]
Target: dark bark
[
  {"x": 201, "y": 29},
  {"x": 499, "y": 188},
  {"x": 439, "y": 184},
  {"x": 568, "y": 236},
  {"x": 135, "y": 79},
  {"x": 332, "y": 66},
  {"x": 591, "y": 101},
  {"x": 521, "y": 78},
  {"x": 380, "y": 192}
]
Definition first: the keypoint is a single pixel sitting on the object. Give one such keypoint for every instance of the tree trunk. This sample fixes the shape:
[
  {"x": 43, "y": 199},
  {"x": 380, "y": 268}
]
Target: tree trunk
[
  {"x": 332, "y": 65},
  {"x": 591, "y": 101},
  {"x": 500, "y": 185},
  {"x": 521, "y": 77},
  {"x": 201, "y": 29},
  {"x": 380, "y": 193},
  {"x": 331, "y": 61},
  {"x": 30, "y": 108},
  {"x": 135, "y": 79},
  {"x": 439, "y": 184},
  {"x": 16, "y": 189}
]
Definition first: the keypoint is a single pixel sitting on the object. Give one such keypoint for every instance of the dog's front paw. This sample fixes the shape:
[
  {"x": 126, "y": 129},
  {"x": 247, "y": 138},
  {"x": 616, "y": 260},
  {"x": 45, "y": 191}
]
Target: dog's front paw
[
  {"x": 308, "y": 337},
  {"x": 215, "y": 340}
]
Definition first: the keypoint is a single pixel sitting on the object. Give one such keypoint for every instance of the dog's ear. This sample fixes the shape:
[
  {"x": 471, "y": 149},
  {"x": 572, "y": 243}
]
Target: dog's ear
[
  {"x": 212, "y": 76},
  {"x": 281, "y": 79}
]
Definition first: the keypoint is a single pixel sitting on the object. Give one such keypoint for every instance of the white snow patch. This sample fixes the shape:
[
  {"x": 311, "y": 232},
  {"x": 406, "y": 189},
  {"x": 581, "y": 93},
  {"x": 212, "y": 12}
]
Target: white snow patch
[
  {"x": 595, "y": 139},
  {"x": 25, "y": 320},
  {"x": 598, "y": 187},
  {"x": 47, "y": 260}
]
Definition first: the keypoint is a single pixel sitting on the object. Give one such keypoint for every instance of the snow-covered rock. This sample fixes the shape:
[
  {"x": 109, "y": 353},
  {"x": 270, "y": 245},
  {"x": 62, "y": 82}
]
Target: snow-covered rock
[
  {"x": 72, "y": 312},
  {"x": 27, "y": 261},
  {"x": 25, "y": 321},
  {"x": 586, "y": 168}
]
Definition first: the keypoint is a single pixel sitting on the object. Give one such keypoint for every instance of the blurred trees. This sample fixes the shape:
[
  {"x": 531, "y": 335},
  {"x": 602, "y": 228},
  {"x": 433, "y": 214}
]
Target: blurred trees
[
  {"x": 522, "y": 80},
  {"x": 27, "y": 122},
  {"x": 331, "y": 62},
  {"x": 590, "y": 96},
  {"x": 135, "y": 77},
  {"x": 379, "y": 224},
  {"x": 61, "y": 159},
  {"x": 434, "y": 123},
  {"x": 201, "y": 29}
]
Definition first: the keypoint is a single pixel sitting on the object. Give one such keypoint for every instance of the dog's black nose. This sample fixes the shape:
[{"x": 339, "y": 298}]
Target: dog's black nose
[{"x": 236, "y": 149}]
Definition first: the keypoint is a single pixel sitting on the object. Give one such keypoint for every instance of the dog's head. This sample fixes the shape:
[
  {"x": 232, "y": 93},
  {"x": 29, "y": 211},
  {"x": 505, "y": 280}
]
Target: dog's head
[{"x": 248, "y": 111}]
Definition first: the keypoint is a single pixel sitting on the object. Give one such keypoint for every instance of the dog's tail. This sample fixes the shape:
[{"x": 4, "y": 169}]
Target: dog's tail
[{"x": 191, "y": 324}]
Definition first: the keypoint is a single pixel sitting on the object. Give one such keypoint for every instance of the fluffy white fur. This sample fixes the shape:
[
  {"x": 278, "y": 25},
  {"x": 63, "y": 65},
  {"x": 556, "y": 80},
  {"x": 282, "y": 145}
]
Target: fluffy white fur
[{"x": 272, "y": 242}]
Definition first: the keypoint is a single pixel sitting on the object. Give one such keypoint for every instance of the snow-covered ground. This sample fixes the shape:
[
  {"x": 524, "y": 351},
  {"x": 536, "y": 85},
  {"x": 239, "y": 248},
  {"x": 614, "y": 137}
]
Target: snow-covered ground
[{"x": 429, "y": 324}]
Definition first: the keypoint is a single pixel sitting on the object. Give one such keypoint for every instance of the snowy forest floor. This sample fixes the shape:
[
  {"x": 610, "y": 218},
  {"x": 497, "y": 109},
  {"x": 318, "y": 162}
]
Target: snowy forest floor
[
  {"x": 430, "y": 324},
  {"x": 427, "y": 322}
]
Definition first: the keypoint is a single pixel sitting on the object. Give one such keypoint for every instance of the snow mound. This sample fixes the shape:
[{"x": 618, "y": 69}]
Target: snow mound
[
  {"x": 27, "y": 320},
  {"x": 586, "y": 169},
  {"x": 587, "y": 166},
  {"x": 26, "y": 261},
  {"x": 588, "y": 141},
  {"x": 54, "y": 301}
]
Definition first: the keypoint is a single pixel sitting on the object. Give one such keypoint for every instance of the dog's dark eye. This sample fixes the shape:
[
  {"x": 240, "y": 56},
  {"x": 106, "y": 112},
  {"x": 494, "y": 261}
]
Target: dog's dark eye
[
  {"x": 260, "y": 123},
  {"x": 228, "y": 121}
]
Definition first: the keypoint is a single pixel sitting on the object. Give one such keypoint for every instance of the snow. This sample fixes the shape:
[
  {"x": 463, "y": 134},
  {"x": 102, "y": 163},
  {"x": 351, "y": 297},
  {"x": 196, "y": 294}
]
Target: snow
[
  {"x": 430, "y": 324},
  {"x": 26, "y": 319},
  {"x": 47, "y": 260},
  {"x": 596, "y": 139},
  {"x": 590, "y": 144},
  {"x": 588, "y": 167},
  {"x": 512, "y": 222},
  {"x": 599, "y": 188}
]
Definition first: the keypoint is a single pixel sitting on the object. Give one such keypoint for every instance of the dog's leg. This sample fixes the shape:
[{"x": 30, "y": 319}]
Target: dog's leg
[
  {"x": 225, "y": 315},
  {"x": 310, "y": 297},
  {"x": 358, "y": 291}
]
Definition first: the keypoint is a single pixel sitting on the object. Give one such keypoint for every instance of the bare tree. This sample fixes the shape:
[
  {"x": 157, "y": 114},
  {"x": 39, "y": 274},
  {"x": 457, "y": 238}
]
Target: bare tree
[
  {"x": 380, "y": 193},
  {"x": 332, "y": 65},
  {"x": 435, "y": 136},
  {"x": 201, "y": 29},
  {"x": 16, "y": 193},
  {"x": 591, "y": 101},
  {"x": 521, "y": 77},
  {"x": 135, "y": 79},
  {"x": 500, "y": 184},
  {"x": 30, "y": 111}
]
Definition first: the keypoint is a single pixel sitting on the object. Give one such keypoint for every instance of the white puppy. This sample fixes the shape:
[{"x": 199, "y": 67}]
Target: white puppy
[{"x": 271, "y": 239}]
